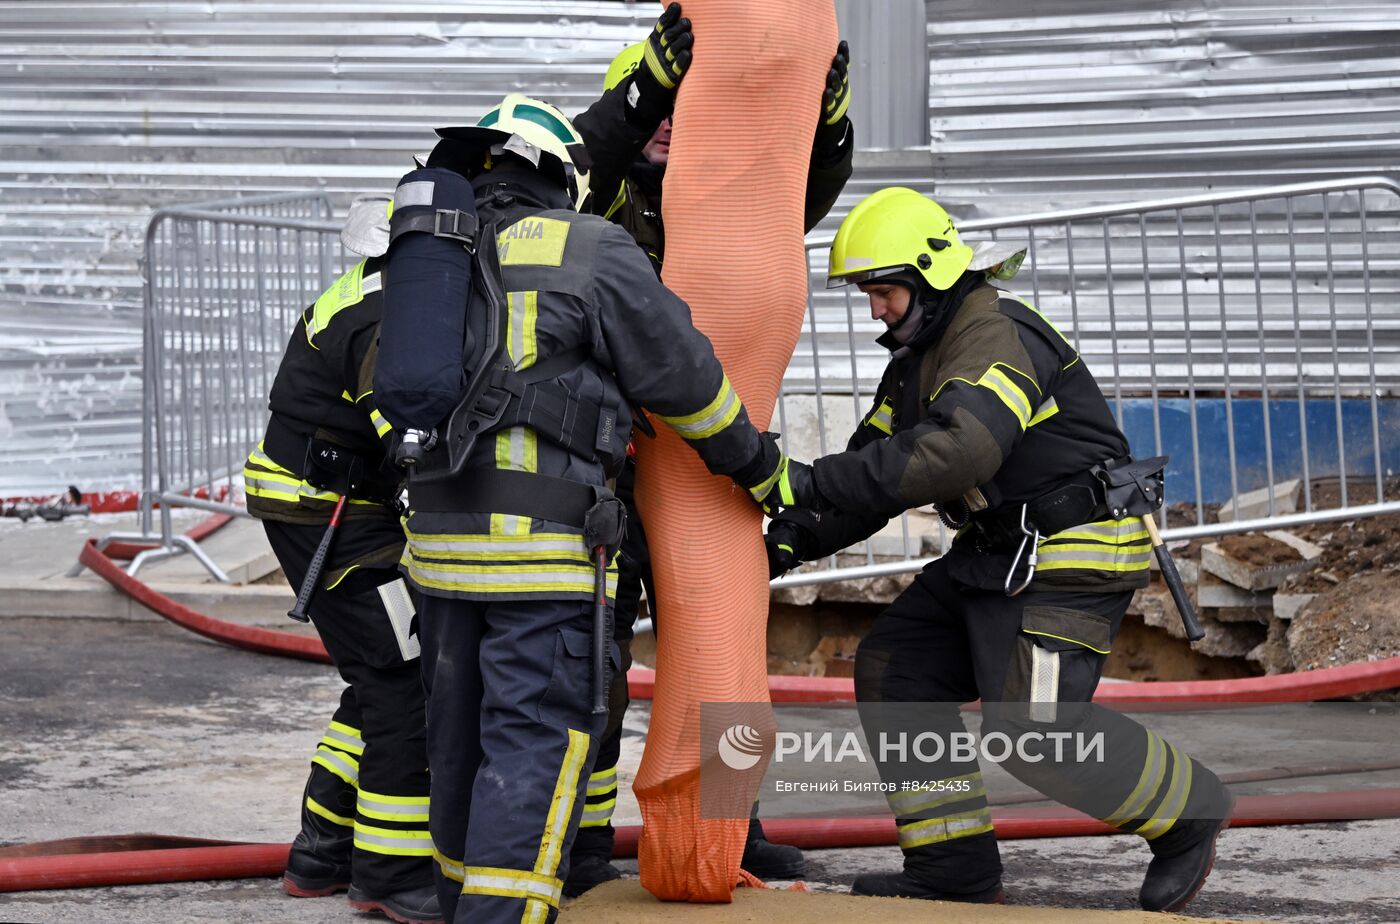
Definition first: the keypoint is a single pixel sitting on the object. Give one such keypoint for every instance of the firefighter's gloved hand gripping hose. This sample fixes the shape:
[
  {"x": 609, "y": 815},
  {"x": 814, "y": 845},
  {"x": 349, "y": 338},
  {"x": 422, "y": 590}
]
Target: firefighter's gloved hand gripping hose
[{"x": 733, "y": 205}]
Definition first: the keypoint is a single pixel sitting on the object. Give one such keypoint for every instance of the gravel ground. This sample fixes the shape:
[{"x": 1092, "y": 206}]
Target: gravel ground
[{"x": 115, "y": 727}]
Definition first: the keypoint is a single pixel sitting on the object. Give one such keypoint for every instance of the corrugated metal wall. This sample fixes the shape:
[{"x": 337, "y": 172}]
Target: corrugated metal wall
[
  {"x": 1042, "y": 103},
  {"x": 109, "y": 108}
]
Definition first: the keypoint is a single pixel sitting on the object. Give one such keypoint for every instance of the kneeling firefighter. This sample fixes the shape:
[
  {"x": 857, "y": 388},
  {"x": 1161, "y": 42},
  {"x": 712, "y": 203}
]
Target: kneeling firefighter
[
  {"x": 987, "y": 411},
  {"x": 319, "y": 478},
  {"x": 512, "y": 530}
]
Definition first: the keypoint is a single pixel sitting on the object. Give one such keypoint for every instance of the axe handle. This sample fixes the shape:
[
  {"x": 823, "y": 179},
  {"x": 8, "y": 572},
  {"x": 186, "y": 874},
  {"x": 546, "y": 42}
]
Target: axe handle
[
  {"x": 313, "y": 570},
  {"x": 602, "y": 634},
  {"x": 1194, "y": 632}
]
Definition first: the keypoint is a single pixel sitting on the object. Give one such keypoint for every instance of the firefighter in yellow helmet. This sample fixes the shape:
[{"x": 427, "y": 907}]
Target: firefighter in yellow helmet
[
  {"x": 987, "y": 411},
  {"x": 628, "y": 134},
  {"x": 511, "y": 525}
]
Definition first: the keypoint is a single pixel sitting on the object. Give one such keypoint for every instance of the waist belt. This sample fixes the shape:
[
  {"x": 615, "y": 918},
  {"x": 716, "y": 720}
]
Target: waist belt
[
  {"x": 326, "y": 465},
  {"x": 1080, "y": 500},
  {"x": 522, "y": 494}
]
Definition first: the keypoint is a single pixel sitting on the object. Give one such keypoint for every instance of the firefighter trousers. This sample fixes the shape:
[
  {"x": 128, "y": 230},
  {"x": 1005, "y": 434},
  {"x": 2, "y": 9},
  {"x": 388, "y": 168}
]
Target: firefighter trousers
[
  {"x": 511, "y": 742},
  {"x": 366, "y": 800},
  {"x": 1035, "y": 661}
]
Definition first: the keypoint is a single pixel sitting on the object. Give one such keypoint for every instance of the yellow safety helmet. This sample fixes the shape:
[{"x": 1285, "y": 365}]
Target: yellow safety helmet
[
  {"x": 539, "y": 125},
  {"x": 627, "y": 61},
  {"x": 893, "y": 230}
]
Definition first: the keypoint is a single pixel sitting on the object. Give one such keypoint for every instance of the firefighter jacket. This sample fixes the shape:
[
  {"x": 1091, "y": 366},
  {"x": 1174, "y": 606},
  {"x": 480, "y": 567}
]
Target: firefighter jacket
[
  {"x": 323, "y": 391},
  {"x": 573, "y": 283},
  {"x": 627, "y": 188},
  {"x": 989, "y": 406}
]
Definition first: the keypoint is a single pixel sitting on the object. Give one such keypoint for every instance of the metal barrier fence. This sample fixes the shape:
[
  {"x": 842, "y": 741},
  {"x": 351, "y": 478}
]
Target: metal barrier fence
[
  {"x": 224, "y": 284},
  {"x": 1253, "y": 336}
]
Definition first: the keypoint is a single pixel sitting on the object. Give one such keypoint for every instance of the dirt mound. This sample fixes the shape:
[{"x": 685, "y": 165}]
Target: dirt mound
[
  {"x": 1355, "y": 620},
  {"x": 1257, "y": 549}
]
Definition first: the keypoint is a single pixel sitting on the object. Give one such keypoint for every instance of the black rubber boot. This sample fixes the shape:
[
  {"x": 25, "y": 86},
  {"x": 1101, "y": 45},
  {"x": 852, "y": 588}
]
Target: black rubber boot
[
  {"x": 587, "y": 872},
  {"x": 900, "y": 885},
  {"x": 1179, "y": 868},
  {"x": 411, "y": 906},
  {"x": 767, "y": 860},
  {"x": 313, "y": 875}
]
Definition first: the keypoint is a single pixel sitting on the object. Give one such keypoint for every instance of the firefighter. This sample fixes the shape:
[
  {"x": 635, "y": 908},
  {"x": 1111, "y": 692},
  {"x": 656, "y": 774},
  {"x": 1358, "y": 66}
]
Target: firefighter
[
  {"x": 628, "y": 134},
  {"x": 987, "y": 411},
  {"x": 365, "y": 808},
  {"x": 507, "y": 582}
]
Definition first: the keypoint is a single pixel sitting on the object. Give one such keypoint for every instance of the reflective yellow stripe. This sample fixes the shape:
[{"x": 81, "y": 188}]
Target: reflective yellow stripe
[
  {"x": 350, "y": 289},
  {"x": 1000, "y": 384},
  {"x": 1153, "y": 767},
  {"x": 1072, "y": 641},
  {"x": 451, "y": 868},
  {"x": 761, "y": 490},
  {"x": 1046, "y": 410},
  {"x": 393, "y": 842},
  {"x": 486, "y": 579},
  {"x": 1113, "y": 546},
  {"x": 339, "y": 735},
  {"x": 342, "y": 765},
  {"x": 561, "y": 804},
  {"x": 882, "y": 418},
  {"x": 949, "y": 828},
  {"x": 1174, "y": 801},
  {"x": 517, "y": 448},
  {"x": 531, "y": 547},
  {"x": 1113, "y": 532},
  {"x": 904, "y": 804},
  {"x": 602, "y": 781},
  {"x": 617, "y": 201},
  {"x": 381, "y": 425},
  {"x": 511, "y": 883},
  {"x": 317, "y": 808},
  {"x": 710, "y": 419},
  {"x": 1047, "y": 321},
  {"x": 391, "y": 808}
]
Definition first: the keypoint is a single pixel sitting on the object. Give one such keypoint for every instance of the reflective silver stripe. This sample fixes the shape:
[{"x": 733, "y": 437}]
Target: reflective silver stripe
[
  {"x": 1115, "y": 532},
  {"x": 602, "y": 781},
  {"x": 344, "y": 737},
  {"x": 883, "y": 418},
  {"x": 1045, "y": 684},
  {"x": 937, "y": 830},
  {"x": 1049, "y": 555},
  {"x": 711, "y": 419},
  {"x": 600, "y": 813},
  {"x": 389, "y": 841},
  {"x": 1153, "y": 768},
  {"x": 504, "y": 578},
  {"x": 1009, "y": 392},
  {"x": 418, "y": 192},
  {"x": 1174, "y": 802},
  {"x": 484, "y": 880},
  {"x": 451, "y": 868},
  {"x": 342, "y": 765},
  {"x": 392, "y": 808},
  {"x": 371, "y": 283},
  {"x": 1049, "y": 408},
  {"x": 969, "y": 786},
  {"x": 555, "y": 544}
]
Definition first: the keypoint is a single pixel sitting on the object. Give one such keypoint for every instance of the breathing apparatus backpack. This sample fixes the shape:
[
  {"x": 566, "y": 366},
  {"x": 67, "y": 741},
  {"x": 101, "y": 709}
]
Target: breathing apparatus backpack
[
  {"x": 443, "y": 373},
  {"x": 428, "y": 271}
]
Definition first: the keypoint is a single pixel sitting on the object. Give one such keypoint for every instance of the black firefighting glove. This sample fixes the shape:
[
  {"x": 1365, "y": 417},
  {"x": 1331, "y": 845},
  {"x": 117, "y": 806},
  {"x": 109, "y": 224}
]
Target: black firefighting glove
[
  {"x": 782, "y": 542},
  {"x": 652, "y": 94},
  {"x": 836, "y": 99},
  {"x": 787, "y": 482}
]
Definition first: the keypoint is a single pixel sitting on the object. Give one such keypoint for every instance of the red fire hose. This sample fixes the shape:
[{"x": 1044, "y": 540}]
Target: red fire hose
[
  {"x": 148, "y": 858},
  {"x": 140, "y": 859}
]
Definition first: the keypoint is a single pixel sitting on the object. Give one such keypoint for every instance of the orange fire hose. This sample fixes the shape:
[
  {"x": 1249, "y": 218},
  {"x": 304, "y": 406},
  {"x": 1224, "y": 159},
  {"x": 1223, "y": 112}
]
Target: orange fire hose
[{"x": 733, "y": 205}]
